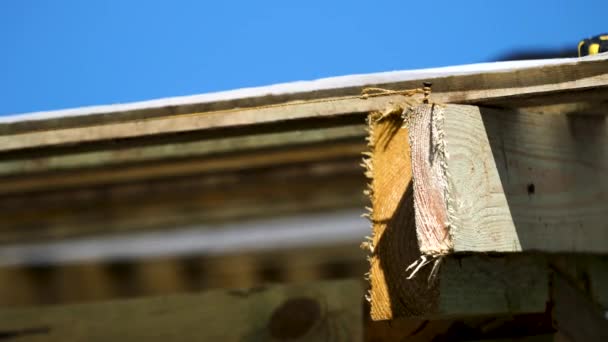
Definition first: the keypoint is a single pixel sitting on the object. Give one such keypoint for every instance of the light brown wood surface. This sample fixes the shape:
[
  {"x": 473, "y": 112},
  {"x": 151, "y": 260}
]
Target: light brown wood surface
[
  {"x": 547, "y": 84},
  {"x": 205, "y": 199},
  {"x": 482, "y": 284},
  {"x": 576, "y": 316},
  {"x": 517, "y": 181},
  {"x": 103, "y": 280},
  {"x": 328, "y": 311}
]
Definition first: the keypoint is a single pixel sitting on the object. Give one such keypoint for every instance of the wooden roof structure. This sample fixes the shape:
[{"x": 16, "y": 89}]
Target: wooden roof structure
[{"x": 489, "y": 200}]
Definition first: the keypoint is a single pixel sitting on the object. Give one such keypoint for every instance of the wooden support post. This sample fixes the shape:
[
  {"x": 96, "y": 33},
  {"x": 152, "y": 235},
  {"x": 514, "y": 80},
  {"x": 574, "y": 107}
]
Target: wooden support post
[{"x": 325, "y": 311}]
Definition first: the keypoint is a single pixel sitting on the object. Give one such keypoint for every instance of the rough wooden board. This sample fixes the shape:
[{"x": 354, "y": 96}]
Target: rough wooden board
[
  {"x": 329, "y": 311},
  {"x": 576, "y": 316},
  {"x": 115, "y": 156},
  {"x": 97, "y": 280},
  {"x": 193, "y": 122},
  {"x": 396, "y": 245},
  {"x": 200, "y": 199},
  {"x": 464, "y": 285},
  {"x": 481, "y": 285},
  {"x": 479, "y": 88},
  {"x": 393, "y": 231},
  {"x": 520, "y": 181},
  {"x": 427, "y": 155},
  {"x": 178, "y": 167},
  {"x": 490, "y": 82}
]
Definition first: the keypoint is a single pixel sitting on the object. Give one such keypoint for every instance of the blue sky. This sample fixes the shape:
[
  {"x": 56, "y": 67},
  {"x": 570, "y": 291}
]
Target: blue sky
[{"x": 62, "y": 54}]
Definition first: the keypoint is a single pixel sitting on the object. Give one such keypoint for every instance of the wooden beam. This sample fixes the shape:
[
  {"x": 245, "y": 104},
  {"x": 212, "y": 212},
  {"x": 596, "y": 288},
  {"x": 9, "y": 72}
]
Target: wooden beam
[
  {"x": 330, "y": 311},
  {"x": 229, "y": 118},
  {"x": 575, "y": 315},
  {"x": 453, "y": 284},
  {"x": 203, "y": 146},
  {"x": 549, "y": 82},
  {"x": 111, "y": 279},
  {"x": 478, "y": 285},
  {"x": 488, "y": 180},
  {"x": 173, "y": 168},
  {"x": 208, "y": 199}
]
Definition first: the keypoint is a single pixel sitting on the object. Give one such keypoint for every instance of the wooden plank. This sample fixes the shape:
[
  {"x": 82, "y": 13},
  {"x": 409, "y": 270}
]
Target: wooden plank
[
  {"x": 489, "y": 82},
  {"x": 576, "y": 316},
  {"x": 477, "y": 285},
  {"x": 107, "y": 279},
  {"x": 205, "y": 147},
  {"x": 329, "y": 311},
  {"x": 510, "y": 181},
  {"x": 548, "y": 82},
  {"x": 179, "y": 167},
  {"x": 206, "y": 199},
  {"x": 395, "y": 245},
  {"x": 193, "y": 122},
  {"x": 390, "y": 194},
  {"x": 462, "y": 285}
]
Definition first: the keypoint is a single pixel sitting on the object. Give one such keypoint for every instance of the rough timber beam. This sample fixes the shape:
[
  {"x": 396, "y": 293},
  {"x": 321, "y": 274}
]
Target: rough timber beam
[
  {"x": 488, "y": 180},
  {"x": 329, "y": 311},
  {"x": 549, "y": 82},
  {"x": 497, "y": 155}
]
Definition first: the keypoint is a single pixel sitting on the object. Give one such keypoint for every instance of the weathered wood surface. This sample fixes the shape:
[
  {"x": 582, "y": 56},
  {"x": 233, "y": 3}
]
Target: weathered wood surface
[
  {"x": 325, "y": 311},
  {"x": 480, "y": 285},
  {"x": 391, "y": 196},
  {"x": 575, "y": 315},
  {"x": 511, "y": 181},
  {"x": 174, "y": 168},
  {"x": 547, "y": 83},
  {"x": 230, "y": 118},
  {"x": 203, "y": 146},
  {"x": 97, "y": 280},
  {"x": 207, "y": 198}
]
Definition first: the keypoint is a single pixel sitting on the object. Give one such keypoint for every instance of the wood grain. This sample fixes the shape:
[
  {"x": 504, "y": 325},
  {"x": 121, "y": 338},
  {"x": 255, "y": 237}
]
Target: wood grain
[
  {"x": 206, "y": 199},
  {"x": 100, "y": 279},
  {"x": 476, "y": 285},
  {"x": 329, "y": 311},
  {"x": 524, "y": 181},
  {"x": 576, "y": 316},
  {"x": 586, "y": 78},
  {"x": 114, "y": 155},
  {"x": 428, "y": 166},
  {"x": 393, "y": 227},
  {"x": 191, "y": 122}
]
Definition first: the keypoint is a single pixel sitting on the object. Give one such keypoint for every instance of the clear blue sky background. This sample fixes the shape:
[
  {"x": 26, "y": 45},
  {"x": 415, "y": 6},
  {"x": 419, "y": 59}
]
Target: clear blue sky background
[{"x": 60, "y": 54}]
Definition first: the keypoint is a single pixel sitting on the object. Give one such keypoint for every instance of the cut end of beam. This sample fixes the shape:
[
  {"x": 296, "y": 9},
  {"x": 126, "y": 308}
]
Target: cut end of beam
[{"x": 395, "y": 242}]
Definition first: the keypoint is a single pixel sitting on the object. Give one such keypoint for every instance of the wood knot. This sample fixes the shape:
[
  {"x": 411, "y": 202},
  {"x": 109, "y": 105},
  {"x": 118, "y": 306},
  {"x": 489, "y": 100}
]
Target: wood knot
[{"x": 294, "y": 318}]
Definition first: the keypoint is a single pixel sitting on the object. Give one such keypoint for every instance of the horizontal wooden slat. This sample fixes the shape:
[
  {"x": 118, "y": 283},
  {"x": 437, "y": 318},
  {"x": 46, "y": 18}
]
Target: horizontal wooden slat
[
  {"x": 81, "y": 281},
  {"x": 549, "y": 82},
  {"x": 202, "y": 199},
  {"x": 482, "y": 285},
  {"x": 199, "y": 148},
  {"x": 330, "y": 311},
  {"x": 179, "y": 167},
  {"x": 192, "y": 122}
]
